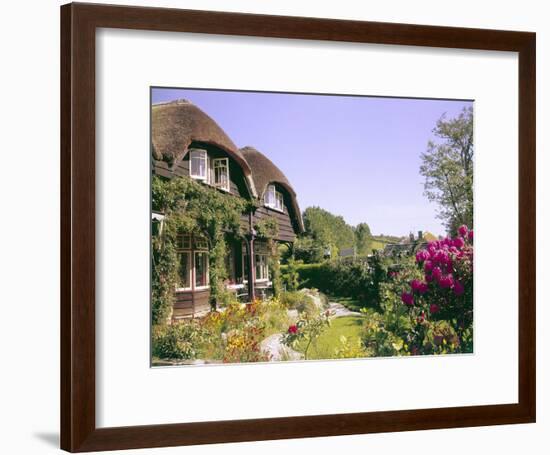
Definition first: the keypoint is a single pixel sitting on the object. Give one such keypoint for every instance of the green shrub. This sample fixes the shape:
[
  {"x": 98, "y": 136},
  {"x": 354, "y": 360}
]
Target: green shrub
[
  {"x": 273, "y": 316},
  {"x": 177, "y": 341}
]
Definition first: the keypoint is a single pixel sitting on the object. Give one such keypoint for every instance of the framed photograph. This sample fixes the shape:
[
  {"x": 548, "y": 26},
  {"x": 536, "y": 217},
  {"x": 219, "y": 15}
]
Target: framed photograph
[{"x": 283, "y": 227}]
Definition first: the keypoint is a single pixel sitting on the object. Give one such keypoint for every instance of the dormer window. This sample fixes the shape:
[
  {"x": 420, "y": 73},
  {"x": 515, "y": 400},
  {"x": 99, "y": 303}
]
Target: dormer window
[
  {"x": 273, "y": 198},
  {"x": 221, "y": 173},
  {"x": 198, "y": 165}
]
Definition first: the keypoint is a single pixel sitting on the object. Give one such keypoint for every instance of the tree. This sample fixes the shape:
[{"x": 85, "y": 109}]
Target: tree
[
  {"x": 363, "y": 239},
  {"x": 328, "y": 231},
  {"x": 447, "y": 166}
]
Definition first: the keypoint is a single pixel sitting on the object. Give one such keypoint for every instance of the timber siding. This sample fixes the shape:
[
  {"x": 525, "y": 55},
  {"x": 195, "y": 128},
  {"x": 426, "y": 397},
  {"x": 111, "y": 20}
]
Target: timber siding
[{"x": 286, "y": 232}]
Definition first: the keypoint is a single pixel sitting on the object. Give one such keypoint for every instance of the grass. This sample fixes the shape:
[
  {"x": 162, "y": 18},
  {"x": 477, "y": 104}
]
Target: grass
[{"x": 329, "y": 340}]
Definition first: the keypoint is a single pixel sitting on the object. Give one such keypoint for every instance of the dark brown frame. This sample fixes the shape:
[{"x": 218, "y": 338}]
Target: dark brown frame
[{"x": 78, "y": 26}]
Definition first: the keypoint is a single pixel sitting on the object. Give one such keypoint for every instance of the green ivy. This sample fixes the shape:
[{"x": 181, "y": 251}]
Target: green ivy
[{"x": 193, "y": 208}]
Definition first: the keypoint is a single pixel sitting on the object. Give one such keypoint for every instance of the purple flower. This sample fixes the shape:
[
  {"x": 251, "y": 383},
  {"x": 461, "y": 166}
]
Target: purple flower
[
  {"x": 407, "y": 298},
  {"x": 463, "y": 230},
  {"x": 458, "y": 288},
  {"x": 471, "y": 235},
  {"x": 436, "y": 273},
  {"x": 429, "y": 277}
]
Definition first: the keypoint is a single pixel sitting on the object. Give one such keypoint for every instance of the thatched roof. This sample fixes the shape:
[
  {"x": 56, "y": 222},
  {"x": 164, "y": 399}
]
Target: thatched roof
[
  {"x": 265, "y": 172},
  {"x": 178, "y": 123}
]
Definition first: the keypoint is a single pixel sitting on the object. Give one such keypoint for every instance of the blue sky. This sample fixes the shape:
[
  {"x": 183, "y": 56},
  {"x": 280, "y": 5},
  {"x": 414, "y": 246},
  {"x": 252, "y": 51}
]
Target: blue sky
[{"x": 358, "y": 157}]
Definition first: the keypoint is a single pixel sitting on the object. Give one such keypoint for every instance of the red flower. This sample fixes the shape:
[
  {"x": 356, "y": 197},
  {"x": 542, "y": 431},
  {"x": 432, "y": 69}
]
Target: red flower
[
  {"x": 293, "y": 329},
  {"x": 434, "y": 308}
]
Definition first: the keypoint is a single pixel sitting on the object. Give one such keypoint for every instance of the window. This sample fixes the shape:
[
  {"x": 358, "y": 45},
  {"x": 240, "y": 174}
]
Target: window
[
  {"x": 184, "y": 241},
  {"x": 184, "y": 272},
  {"x": 198, "y": 166},
  {"x": 273, "y": 198},
  {"x": 201, "y": 269},
  {"x": 200, "y": 243},
  {"x": 261, "y": 267},
  {"x": 230, "y": 265},
  {"x": 221, "y": 173}
]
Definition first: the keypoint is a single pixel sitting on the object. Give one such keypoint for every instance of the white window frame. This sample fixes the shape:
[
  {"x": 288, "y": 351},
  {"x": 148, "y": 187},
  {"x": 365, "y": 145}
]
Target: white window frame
[
  {"x": 207, "y": 285},
  {"x": 203, "y": 156},
  {"x": 264, "y": 267},
  {"x": 217, "y": 163},
  {"x": 189, "y": 254},
  {"x": 274, "y": 199}
]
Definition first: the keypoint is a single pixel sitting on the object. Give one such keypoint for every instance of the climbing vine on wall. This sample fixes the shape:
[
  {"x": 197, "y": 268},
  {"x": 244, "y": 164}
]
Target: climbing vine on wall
[
  {"x": 193, "y": 208},
  {"x": 268, "y": 229}
]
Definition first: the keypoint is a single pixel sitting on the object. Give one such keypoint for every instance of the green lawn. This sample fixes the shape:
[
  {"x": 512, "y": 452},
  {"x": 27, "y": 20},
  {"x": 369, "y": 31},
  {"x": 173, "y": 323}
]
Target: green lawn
[{"x": 349, "y": 326}]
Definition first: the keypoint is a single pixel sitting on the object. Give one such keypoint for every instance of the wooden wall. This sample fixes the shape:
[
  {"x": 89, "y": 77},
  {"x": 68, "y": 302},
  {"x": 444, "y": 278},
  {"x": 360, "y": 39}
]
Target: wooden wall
[
  {"x": 286, "y": 230},
  {"x": 189, "y": 304}
]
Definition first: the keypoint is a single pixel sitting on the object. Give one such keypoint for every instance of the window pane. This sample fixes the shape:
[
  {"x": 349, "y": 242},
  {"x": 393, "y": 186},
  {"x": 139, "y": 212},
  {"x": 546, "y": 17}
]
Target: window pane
[
  {"x": 198, "y": 163},
  {"x": 201, "y": 269},
  {"x": 184, "y": 241},
  {"x": 184, "y": 270},
  {"x": 270, "y": 196},
  {"x": 279, "y": 204}
]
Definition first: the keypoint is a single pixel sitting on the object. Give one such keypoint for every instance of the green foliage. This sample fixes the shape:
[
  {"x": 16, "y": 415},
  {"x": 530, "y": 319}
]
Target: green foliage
[
  {"x": 326, "y": 231},
  {"x": 356, "y": 278},
  {"x": 273, "y": 316},
  {"x": 190, "y": 207},
  {"x": 307, "y": 330},
  {"x": 447, "y": 166},
  {"x": 298, "y": 300},
  {"x": 267, "y": 228},
  {"x": 290, "y": 275},
  {"x": 363, "y": 239},
  {"x": 177, "y": 341}
]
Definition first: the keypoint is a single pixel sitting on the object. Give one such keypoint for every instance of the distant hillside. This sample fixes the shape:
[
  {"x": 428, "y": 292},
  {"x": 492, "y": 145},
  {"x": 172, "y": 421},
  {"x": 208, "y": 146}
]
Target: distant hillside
[{"x": 380, "y": 241}]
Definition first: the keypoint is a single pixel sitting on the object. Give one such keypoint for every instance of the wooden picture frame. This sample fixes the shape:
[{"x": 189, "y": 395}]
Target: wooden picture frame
[{"x": 78, "y": 394}]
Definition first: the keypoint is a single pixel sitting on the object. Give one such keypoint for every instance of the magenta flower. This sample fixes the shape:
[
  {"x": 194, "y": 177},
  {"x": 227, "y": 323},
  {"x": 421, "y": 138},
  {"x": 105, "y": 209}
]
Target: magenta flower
[
  {"x": 446, "y": 281},
  {"x": 436, "y": 273},
  {"x": 422, "y": 255},
  {"x": 458, "y": 242},
  {"x": 471, "y": 235},
  {"x": 419, "y": 286},
  {"x": 428, "y": 266},
  {"x": 434, "y": 308},
  {"x": 429, "y": 278},
  {"x": 463, "y": 230},
  {"x": 458, "y": 288},
  {"x": 407, "y": 298},
  {"x": 292, "y": 329}
]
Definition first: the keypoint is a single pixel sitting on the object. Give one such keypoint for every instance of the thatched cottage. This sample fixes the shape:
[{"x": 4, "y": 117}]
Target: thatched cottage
[{"x": 187, "y": 142}]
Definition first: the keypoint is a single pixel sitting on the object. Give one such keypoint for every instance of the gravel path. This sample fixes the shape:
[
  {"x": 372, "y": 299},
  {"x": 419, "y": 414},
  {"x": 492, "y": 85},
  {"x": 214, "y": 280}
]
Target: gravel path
[{"x": 340, "y": 310}]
